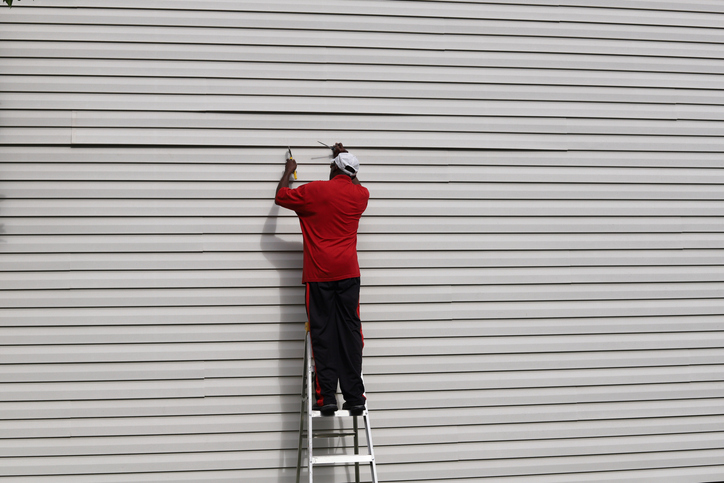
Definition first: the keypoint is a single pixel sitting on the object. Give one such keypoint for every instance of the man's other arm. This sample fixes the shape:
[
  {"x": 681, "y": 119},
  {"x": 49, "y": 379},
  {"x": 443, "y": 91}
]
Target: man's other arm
[{"x": 290, "y": 168}]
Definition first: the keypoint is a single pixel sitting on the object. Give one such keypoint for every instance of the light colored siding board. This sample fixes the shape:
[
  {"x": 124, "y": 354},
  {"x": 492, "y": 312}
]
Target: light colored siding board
[
  {"x": 640, "y": 14},
  {"x": 501, "y": 111},
  {"x": 217, "y": 243},
  {"x": 288, "y": 226},
  {"x": 309, "y": 153},
  {"x": 317, "y": 34},
  {"x": 442, "y": 172},
  {"x": 400, "y": 82},
  {"x": 364, "y": 55},
  {"x": 418, "y": 208},
  {"x": 505, "y": 281},
  {"x": 461, "y": 190}
]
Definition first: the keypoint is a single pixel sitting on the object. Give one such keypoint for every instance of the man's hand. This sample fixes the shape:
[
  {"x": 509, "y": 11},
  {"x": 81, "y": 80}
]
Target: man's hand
[
  {"x": 289, "y": 169},
  {"x": 337, "y": 148}
]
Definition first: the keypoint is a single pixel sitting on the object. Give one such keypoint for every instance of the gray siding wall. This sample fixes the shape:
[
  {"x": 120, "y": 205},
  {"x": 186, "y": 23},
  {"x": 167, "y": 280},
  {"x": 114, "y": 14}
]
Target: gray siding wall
[{"x": 543, "y": 289}]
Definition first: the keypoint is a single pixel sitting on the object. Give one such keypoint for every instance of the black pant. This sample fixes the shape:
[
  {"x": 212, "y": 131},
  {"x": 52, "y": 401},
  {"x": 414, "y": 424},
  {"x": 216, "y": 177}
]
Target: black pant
[{"x": 336, "y": 332}]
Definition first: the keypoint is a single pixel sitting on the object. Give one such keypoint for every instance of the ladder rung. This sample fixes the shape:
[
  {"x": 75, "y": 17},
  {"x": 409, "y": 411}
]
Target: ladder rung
[
  {"x": 342, "y": 459},
  {"x": 342, "y": 413},
  {"x": 333, "y": 435}
]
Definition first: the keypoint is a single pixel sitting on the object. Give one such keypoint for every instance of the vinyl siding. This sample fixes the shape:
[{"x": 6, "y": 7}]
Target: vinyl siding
[{"x": 542, "y": 257}]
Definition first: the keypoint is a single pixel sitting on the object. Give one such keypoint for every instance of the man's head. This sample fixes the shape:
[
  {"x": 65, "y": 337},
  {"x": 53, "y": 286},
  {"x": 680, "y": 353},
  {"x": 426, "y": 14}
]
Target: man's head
[{"x": 343, "y": 162}]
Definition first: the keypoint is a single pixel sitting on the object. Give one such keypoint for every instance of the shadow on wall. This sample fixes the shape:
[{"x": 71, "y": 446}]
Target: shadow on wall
[{"x": 286, "y": 256}]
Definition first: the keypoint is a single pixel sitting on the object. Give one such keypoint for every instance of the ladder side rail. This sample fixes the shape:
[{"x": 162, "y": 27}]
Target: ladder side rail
[
  {"x": 356, "y": 449},
  {"x": 370, "y": 447},
  {"x": 301, "y": 414},
  {"x": 310, "y": 404}
]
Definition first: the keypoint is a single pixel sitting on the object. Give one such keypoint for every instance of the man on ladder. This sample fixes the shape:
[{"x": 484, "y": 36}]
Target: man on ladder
[{"x": 329, "y": 214}]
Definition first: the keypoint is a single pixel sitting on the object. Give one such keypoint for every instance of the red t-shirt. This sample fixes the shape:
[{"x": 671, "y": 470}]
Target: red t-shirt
[{"x": 329, "y": 214}]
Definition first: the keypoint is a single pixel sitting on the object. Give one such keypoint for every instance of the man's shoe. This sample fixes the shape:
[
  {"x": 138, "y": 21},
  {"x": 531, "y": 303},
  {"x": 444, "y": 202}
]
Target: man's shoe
[
  {"x": 326, "y": 410},
  {"x": 354, "y": 410}
]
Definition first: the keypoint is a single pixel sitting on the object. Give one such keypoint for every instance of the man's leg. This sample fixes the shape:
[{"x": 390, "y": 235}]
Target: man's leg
[
  {"x": 320, "y": 312},
  {"x": 350, "y": 341}
]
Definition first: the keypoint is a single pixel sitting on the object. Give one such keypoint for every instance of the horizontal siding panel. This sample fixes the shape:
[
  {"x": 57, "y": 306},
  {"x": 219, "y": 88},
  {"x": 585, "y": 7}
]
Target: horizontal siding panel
[
  {"x": 362, "y": 55},
  {"x": 447, "y": 170},
  {"x": 377, "y": 97},
  {"x": 189, "y": 387},
  {"x": 259, "y": 15},
  {"x": 384, "y": 21},
  {"x": 288, "y": 405},
  {"x": 216, "y": 243},
  {"x": 317, "y": 35},
  {"x": 545, "y": 83},
  {"x": 523, "y": 467},
  {"x": 148, "y": 295},
  {"x": 441, "y": 311},
  {"x": 484, "y": 10},
  {"x": 236, "y": 442},
  {"x": 501, "y": 115},
  {"x": 475, "y": 451},
  {"x": 231, "y": 350},
  {"x": 261, "y": 329},
  {"x": 547, "y": 121},
  {"x": 262, "y": 459},
  {"x": 506, "y": 140},
  {"x": 360, "y": 32},
  {"x": 155, "y": 444},
  {"x": 683, "y": 475},
  {"x": 480, "y": 278},
  {"x": 308, "y": 151},
  {"x": 48, "y": 418},
  {"x": 388, "y": 139},
  {"x": 459, "y": 190},
  {"x": 294, "y": 313},
  {"x": 431, "y": 224},
  {"x": 380, "y": 368},
  {"x": 175, "y": 370},
  {"x": 258, "y": 327},
  {"x": 195, "y": 385},
  {"x": 33, "y": 262},
  {"x": 597, "y": 358},
  {"x": 545, "y": 416},
  {"x": 389, "y": 434},
  {"x": 265, "y": 441},
  {"x": 27, "y": 208},
  {"x": 589, "y": 415}
]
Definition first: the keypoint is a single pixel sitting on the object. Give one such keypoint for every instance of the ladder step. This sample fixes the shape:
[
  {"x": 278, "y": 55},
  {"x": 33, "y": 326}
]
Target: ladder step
[
  {"x": 342, "y": 413},
  {"x": 342, "y": 459},
  {"x": 333, "y": 435}
]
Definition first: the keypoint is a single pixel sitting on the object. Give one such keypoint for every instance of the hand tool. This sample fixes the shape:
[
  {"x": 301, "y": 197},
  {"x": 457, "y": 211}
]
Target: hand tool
[
  {"x": 326, "y": 145},
  {"x": 289, "y": 156}
]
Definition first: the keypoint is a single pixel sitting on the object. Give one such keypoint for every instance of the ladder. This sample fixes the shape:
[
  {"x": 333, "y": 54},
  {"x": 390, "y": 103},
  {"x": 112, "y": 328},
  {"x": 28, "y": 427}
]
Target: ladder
[{"x": 308, "y": 415}]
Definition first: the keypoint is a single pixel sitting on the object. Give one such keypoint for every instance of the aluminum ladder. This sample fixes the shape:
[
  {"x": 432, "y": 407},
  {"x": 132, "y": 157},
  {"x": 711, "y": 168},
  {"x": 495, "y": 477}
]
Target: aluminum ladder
[{"x": 310, "y": 416}]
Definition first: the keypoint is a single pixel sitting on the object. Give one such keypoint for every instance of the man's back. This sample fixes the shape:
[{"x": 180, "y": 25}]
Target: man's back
[{"x": 329, "y": 214}]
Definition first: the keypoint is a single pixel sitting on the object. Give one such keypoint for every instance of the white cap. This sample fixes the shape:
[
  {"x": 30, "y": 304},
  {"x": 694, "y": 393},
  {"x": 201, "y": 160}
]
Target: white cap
[{"x": 347, "y": 163}]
